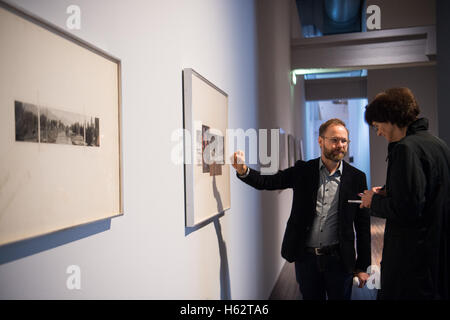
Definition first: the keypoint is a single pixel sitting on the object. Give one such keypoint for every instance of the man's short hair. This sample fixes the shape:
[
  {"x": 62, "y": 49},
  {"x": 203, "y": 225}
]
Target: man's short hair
[
  {"x": 332, "y": 122},
  {"x": 396, "y": 105}
]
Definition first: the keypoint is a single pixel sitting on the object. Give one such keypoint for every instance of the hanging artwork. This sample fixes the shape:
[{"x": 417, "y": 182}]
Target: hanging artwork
[
  {"x": 207, "y": 178},
  {"x": 283, "y": 158},
  {"x": 298, "y": 150},
  {"x": 291, "y": 150},
  {"x": 60, "y": 164}
]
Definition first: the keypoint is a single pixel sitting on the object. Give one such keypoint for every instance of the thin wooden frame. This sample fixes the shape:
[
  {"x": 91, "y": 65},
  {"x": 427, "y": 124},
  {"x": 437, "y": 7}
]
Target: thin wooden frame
[
  {"x": 52, "y": 184},
  {"x": 205, "y": 116}
]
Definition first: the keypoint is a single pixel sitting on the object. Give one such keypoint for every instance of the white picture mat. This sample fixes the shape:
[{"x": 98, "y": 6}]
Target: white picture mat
[
  {"x": 49, "y": 187},
  {"x": 206, "y": 195}
]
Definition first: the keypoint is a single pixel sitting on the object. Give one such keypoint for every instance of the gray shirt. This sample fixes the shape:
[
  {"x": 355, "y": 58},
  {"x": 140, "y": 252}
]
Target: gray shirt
[{"x": 324, "y": 230}]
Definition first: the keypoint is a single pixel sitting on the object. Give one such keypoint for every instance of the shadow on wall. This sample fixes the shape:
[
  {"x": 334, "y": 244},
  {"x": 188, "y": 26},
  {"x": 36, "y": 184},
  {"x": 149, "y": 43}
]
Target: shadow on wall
[
  {"x": 25, "y": 248},
  {"x": 225, "y": 289}
]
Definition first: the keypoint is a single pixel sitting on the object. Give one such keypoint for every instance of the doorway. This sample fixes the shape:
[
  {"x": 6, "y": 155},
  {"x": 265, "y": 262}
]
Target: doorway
[{"x": 351, "y": 111}]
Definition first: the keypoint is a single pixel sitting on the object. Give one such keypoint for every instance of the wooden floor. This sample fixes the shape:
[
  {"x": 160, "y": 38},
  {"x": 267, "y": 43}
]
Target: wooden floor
[{"x": 286, "y": 287}]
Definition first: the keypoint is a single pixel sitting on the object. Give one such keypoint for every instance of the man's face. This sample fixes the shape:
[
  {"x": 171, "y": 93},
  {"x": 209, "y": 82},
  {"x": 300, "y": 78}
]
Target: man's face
[
  {"x": 385, "y": 129},
  {"x": 334, "y": 143}
]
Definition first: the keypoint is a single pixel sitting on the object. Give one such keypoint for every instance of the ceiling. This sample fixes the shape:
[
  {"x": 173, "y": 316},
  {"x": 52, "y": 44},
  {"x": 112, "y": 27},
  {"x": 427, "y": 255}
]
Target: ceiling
[{"x": 326, "y": 17}]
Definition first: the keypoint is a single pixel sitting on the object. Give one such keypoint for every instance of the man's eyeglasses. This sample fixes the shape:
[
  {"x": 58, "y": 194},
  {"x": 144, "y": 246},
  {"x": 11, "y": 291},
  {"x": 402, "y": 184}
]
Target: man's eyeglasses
[{"x": 336, "y": 140}]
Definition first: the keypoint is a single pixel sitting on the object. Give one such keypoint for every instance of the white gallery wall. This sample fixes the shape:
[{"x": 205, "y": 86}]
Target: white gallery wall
[
  {"x": 148, "y": 253},
  {"x": 275, "y": 107}
]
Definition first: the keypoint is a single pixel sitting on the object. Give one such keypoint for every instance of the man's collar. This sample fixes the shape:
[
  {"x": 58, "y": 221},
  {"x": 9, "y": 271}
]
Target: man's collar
[{"x": 340, "y": 169}]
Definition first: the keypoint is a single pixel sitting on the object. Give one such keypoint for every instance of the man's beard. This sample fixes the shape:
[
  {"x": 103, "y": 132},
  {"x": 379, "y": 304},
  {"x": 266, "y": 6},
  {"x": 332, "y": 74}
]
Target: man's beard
[{"x": 334, "y": 155}]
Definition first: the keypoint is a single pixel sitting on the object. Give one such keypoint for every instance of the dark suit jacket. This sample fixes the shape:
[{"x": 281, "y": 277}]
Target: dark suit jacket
[
  {"x": 416, "y": 252},
  {"x": 303, "y": 178}
]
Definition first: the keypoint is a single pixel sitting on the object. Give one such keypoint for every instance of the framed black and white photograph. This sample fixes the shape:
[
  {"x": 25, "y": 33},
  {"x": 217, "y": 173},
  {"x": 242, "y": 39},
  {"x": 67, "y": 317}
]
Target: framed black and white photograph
[
  {"x": 60, "y": 129},
  {"x": 291, "y": 150},
  {"x": 207, "y": 177},
  {"x": 283, "y": 162},
  {"x": 298, "y": 154}
]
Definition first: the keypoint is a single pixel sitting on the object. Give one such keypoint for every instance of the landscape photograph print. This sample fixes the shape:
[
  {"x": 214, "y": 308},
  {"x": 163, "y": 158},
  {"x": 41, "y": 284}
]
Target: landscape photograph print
[{"x": 50, "y": 125}]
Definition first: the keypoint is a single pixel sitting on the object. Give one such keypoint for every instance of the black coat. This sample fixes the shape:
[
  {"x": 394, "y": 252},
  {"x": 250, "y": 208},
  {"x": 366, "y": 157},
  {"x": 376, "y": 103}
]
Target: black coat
[
  {"x": 304, "y": 178},
  {"x": 416, "y": 240}
]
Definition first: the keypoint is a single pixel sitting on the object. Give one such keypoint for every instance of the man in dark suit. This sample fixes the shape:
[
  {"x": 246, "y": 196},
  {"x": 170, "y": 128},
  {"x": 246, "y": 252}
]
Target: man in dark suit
[{"x": 319, "y": 235}]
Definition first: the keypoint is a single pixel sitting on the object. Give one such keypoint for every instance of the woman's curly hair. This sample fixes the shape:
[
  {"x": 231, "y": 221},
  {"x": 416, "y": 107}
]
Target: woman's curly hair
[{"x": 396, "y": 105}]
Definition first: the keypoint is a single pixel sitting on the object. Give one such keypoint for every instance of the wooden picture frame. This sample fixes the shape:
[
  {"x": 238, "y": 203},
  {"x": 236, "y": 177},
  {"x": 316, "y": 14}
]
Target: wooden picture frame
[
  {"x": 283, "y": 159},
  {"x": 298, "y": 150},
  {"x": 291, "y": 150},
  {"x": 60, "y": 132},
  {"x": 207, "y": 176}
]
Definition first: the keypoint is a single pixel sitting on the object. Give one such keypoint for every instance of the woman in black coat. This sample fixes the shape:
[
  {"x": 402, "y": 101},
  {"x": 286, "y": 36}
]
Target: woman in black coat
[{"x": 415, "y": 201}]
